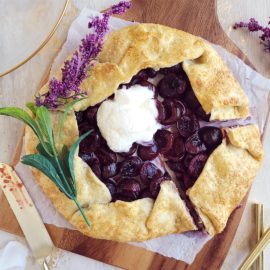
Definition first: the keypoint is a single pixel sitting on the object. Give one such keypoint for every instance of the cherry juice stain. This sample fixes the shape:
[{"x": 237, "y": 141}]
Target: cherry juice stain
[{"x": 14, "y": 187}]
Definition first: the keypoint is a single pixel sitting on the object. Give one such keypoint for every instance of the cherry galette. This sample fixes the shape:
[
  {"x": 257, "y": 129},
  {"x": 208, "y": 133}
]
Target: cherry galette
[{"x": 155, "y": 163}]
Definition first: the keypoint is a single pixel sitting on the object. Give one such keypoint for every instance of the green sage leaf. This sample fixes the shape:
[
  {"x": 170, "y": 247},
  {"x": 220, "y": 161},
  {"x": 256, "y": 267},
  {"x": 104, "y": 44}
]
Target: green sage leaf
[
  {"x": 32, "y": 107},
  {"x": 45, "y": 166},
  {"x": 44, "y": 122},
  {"x": 22, "y": 115},
  {"x": 65, "y": 166},
  {"x": 43, "y": 152},
  {"x": 82, "y": 212}
]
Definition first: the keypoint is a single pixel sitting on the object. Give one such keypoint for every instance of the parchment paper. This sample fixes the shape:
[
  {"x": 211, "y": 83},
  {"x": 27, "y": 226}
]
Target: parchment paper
[{"x": 182, "y": 246}]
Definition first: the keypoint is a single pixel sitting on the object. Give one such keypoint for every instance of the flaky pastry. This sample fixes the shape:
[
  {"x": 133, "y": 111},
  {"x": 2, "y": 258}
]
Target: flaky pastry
[{"x": 227, "y": 174}]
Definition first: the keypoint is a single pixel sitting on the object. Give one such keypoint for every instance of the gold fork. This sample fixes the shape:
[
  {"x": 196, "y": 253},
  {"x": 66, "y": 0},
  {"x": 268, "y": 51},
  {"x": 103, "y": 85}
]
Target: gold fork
[
  {"x": 259, "y": 232},
  {"x": 265, "y": 239}
]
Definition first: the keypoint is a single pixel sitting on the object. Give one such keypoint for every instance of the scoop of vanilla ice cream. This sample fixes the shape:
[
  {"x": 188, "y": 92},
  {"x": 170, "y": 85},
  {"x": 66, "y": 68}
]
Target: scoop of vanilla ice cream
[{"x": 130, "y": 117}]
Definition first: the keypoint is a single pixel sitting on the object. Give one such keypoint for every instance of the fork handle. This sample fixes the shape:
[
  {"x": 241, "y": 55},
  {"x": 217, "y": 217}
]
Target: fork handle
[
  {"x": 256, "y": 251},
  {"x": 43, "y": 264}
]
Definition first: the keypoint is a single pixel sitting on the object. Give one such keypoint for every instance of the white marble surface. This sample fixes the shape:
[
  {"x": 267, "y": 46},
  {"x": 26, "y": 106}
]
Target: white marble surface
[
  {"x": 231, "y": 11},
  {"x": 16, "y": 88}
]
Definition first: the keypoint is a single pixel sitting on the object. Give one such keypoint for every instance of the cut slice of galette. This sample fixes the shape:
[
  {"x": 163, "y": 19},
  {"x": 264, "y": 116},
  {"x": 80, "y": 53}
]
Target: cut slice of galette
[{"x": 154, "y": 164}]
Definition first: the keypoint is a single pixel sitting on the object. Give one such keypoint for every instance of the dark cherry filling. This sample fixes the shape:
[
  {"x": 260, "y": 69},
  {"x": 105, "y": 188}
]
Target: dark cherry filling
[
  {"x": 96, "y": 168},
  {"x": 155, "y": 186},
  {"x": 151, "y": 72},
  {"x": 129, "y": 188},
  {"x": 149, "y": 172},
  {"x": 130, "y": 167},
  {"x": 105, "y": 155},
  {"x": 191, "y": 100},
  {"x": 161, "y": 111},
  {"x": 196, "y": 165},
  {"x": 173, "y": 110},
  {"x": 164, "y": 140},
  {"x": 91, "y": 114},
  {"x": 184, "y": 145},
  {"x": 196, "y": 218},
  {"x": 211, "y": 136},
  {"x": 148, "y": 152},
  {"x": 171, "y": 86},
  {"x": 194, "y": 145},
  {"x": 178, "y": 150},
  {"x": 110, "y": 170},
  {"x": 91, "y": 143},
  {"x": 177, "y": 69},
  {"x": 176, "y": 166},
  {"x": 202, "y": 114},
  {"x": 187, "y": 125},
  {"x": 111, "y": 186}
]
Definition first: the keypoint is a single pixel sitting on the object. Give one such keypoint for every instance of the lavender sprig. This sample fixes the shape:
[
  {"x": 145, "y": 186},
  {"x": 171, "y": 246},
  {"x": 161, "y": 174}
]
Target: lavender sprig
[
  {"x": 254, "y": 26},
  {"x": 75, "y": 70}
]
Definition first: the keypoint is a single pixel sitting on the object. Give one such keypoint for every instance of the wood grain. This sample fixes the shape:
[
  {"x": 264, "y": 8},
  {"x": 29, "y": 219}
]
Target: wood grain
[{"x": 199, "y": 18}]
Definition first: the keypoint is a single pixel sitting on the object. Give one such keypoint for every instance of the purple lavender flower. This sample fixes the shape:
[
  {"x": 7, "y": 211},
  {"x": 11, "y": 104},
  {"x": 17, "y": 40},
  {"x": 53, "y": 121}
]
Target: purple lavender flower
[
  {"x": 254, "y": 26},
  {"x": 75, "y": 69},
  {"x": 120, "y": 8}
]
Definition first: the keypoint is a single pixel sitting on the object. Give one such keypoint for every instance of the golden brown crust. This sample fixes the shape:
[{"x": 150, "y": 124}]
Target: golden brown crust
[
  {"x": 215, "y": 87},
  {"x": 246, "y": 137},
  {"x": 126, "y": 52},
  {"x": 227, "y": 177},
  {"x": 138, "y": 220},
  {"x": 169, "y": 207}
]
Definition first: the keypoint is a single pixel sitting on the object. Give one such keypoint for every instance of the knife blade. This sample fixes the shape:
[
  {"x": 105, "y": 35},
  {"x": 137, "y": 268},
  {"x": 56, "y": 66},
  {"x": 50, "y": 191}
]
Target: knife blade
[{"x": 26, "y": 213}]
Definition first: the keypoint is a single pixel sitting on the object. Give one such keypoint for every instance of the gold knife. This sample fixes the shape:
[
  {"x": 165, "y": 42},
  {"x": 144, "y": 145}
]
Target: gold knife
[{"x": 27, "y": 215}]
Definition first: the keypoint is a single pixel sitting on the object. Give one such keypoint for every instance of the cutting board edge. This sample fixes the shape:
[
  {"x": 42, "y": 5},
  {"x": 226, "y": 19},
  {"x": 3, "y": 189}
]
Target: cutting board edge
[{"x": 243, "y": 57}]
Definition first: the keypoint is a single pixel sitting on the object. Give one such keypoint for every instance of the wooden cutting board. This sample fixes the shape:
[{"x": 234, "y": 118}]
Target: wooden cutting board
[{"x": 197, "y": 17}]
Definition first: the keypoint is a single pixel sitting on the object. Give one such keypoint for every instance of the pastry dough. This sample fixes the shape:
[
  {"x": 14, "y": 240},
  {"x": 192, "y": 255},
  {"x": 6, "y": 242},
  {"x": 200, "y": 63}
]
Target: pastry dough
[
  {"x": 229, "y": 170},
  {"x": 227, "y": 176},
  {"x": 215, "y": 87}
]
